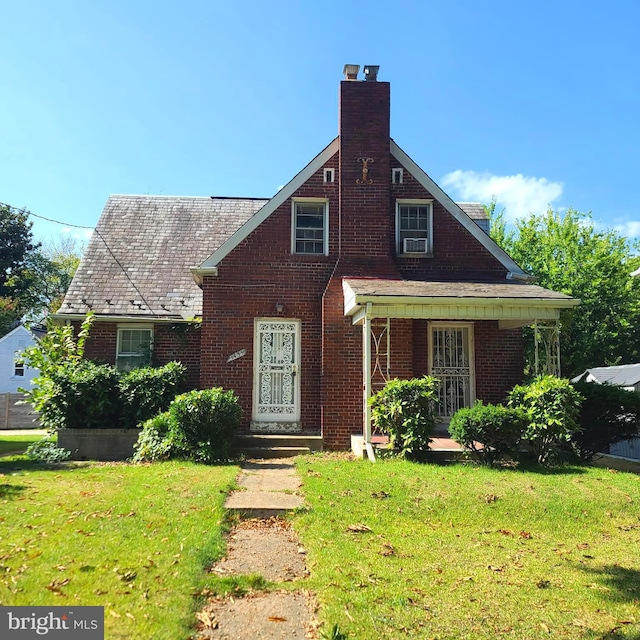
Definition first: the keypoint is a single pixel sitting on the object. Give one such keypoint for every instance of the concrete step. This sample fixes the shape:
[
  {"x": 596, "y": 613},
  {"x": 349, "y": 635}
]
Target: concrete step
[
  {"x": 274, "y": 452},
  {"x": 276, "y": 445}
]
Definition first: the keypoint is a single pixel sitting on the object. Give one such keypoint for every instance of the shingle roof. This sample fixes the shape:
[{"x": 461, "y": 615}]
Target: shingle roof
[
  {"x": 433, "y": 289},
  {"x": 138, "y": 259},
  {"x": 474, "y": 210},
  {"x": 624, "y": 375}
]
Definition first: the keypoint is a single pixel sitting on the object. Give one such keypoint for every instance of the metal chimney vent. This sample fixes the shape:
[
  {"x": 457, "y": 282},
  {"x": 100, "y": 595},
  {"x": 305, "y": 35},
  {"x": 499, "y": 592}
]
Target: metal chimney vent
[
  {"x": 371, "y": 72},
  {"x": 351, "y": 71}
]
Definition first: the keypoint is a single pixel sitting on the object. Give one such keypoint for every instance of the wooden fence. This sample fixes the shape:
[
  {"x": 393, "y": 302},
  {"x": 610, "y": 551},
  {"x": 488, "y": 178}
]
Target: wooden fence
[{"x": 16, "y": 416}]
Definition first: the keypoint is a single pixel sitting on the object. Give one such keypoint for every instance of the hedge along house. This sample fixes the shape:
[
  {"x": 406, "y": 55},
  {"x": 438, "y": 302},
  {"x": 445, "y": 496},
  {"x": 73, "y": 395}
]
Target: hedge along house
[{"x": 360, "y": 269}]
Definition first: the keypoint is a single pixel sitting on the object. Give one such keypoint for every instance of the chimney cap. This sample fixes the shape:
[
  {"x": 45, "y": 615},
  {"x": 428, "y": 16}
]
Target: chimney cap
[
  {"x": 351, "y": 71},
  {"x": 371, "y": 72}
]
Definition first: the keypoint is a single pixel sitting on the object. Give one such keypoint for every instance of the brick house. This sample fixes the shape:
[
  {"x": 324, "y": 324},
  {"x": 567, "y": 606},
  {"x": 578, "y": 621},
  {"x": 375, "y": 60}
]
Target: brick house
[{"x": 358, "y": 270}]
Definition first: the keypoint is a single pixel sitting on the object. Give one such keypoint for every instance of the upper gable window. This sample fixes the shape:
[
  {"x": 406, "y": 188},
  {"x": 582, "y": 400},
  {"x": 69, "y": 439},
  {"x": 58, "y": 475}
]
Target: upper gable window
[
  {"x": 414, "y": 222},
  {"x": 329, "y": 175},
  {"x": 397, "y": 175},
  {"x": 18, "y": 369},
  {"x": 134, "y": 347},
  {"x": 310, "y": 226}
]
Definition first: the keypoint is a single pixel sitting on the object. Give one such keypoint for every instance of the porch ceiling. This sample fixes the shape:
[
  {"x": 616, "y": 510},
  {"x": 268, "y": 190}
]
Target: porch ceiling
[{"x": 513, "y": 304}]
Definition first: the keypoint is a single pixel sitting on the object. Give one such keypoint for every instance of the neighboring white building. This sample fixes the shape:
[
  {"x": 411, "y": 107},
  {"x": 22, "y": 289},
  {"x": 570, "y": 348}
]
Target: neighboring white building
[
  {"x": 12, "y": 374},
  {"x": 626, "y": 376}
]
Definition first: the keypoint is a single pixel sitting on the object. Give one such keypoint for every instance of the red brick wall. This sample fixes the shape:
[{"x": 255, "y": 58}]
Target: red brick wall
[
  {"x": 499, "y": 360},
  {"x": 262, "y": 272},
  {"x": 179, "y": 343}
]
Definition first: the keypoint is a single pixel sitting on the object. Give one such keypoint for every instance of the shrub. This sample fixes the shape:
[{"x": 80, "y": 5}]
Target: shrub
[
  {"x": 551, "y": 405},
  {"x": 56, "y": 352},
  {"x": 489, "y": 432},
  {"x": 608, "y": 414},
  {"x": 47, "y": 450},
  {"x": 155, "y": 442},
  {"x": 405, "y": 410},
  {"x": 204, "y": 422},
  {"x": 149, "y": 391},
  {"x": 83, "y": 395}
]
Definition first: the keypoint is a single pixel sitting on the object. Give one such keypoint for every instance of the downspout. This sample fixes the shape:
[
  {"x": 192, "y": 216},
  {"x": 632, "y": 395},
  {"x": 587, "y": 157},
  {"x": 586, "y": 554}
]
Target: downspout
[{"x": 366, "y": 376}]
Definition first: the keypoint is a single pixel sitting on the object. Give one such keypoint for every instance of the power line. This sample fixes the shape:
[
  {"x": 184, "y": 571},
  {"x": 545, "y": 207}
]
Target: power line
[
  {"x": 35, "y": 215},
  {"x": 79, "y": 226}
]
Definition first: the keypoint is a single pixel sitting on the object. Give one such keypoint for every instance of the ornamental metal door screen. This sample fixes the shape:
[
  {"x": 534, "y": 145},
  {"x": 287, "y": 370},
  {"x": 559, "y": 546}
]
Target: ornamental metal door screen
[
  {"x": 277, "y": 380},
  {"x": 451, "y": 350}
]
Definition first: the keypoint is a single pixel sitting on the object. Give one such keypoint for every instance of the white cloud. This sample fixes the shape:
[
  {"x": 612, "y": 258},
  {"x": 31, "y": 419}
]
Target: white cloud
[
  {"x": 519, "y": 195},
  {"x": 628, "y": 229}
]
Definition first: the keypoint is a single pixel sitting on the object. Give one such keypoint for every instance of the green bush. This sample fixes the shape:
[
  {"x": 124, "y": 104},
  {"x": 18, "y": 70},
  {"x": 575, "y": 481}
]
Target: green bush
[
  {"x": 203, "y": 423},
  {"x": 47, "y": 451},
  {"x": 551, "y": 405},
  {"x": 608, "y": 414},
  {"x": 405, "y": 411},
  {"x": 489, "y": 432},
  {"x": 149, "y": 391},
  {"x": 155, "y": 442},
  {"x": 84, "y": 395}
]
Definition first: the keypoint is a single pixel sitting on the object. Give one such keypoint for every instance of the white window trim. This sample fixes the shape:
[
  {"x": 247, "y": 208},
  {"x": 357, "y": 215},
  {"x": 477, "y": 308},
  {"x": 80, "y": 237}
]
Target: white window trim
[
  {"x": 421, "y": 202},
  {"x": 325, "y": 237},
  {"x": 134, "y": 326},
  {"x": 397, "y": 175},
  {"x": 330, "y": 175},
  {"x": 472, "y": 352}
]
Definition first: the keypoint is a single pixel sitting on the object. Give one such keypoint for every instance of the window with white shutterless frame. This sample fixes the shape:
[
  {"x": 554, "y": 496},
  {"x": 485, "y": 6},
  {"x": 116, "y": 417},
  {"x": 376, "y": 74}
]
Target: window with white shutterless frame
[
  {"x": 134, "y": 346},
  {"x": 414, "y": 227},
  {"x": 310, "y": 226}
]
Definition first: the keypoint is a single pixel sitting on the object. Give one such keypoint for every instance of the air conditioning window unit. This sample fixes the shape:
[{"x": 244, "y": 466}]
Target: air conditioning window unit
[{"x": 414, "y": 245}]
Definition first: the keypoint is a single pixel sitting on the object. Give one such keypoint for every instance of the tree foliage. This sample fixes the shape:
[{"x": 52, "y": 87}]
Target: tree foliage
[
  {"x": 16, "y": 241},
  {"x": 567, "y": 252}
]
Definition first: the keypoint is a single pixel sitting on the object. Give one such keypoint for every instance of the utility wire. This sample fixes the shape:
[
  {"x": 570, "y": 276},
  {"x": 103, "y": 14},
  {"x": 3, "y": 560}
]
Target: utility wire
[{"x": 79, "y": 226}]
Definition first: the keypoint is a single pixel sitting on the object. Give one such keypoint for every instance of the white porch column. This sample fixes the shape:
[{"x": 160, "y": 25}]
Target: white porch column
[{"x": 366, "y": 378}]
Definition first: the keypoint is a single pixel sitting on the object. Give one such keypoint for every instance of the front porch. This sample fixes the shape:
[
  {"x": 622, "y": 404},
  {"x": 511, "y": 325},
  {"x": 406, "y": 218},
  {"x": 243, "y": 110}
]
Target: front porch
[{"x": 473, "y": 334}]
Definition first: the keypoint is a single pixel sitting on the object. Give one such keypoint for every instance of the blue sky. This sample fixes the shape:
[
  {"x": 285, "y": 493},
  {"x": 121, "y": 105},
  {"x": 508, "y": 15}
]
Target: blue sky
[{"x": 535, "y": 103}]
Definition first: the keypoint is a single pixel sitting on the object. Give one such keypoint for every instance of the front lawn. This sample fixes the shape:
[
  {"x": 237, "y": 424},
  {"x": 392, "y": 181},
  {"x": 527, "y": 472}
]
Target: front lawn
[
  {"x": 17, "y": 444},
  {"x": 134, "y": 539},
  {"x": 397, "y": 550}
]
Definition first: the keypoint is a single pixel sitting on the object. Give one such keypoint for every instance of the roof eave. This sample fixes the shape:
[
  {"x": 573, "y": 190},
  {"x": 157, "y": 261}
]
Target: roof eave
[{"x": 485, "y": 240}]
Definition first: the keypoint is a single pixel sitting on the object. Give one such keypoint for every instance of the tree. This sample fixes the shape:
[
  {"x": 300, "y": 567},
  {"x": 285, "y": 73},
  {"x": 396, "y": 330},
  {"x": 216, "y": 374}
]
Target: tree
[
  {"x": 16, "y": 242},
  {"x": 46, "y": 275},
  {"x": 567, "y": 253}
]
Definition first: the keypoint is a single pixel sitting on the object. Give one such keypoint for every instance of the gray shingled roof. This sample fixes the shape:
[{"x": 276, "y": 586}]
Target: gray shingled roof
[
  {"x": 151, "y": 242},
  {"x": 623, "y": 375},
  {"x": 430, "y": 289},
  {"x": 474, "y": 210}
]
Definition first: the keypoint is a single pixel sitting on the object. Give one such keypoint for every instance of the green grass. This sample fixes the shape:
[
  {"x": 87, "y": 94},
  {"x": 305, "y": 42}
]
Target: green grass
[
  {"x": 400, "y": 550},
  {"x": 134, "y": 539},
  {"x": 16, "y": 444}
]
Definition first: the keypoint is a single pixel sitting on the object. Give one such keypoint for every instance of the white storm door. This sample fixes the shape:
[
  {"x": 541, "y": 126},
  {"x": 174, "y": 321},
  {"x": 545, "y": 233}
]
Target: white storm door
[
  {"x": 276, "y": 375},
  {"x": 452, "y": 362}
]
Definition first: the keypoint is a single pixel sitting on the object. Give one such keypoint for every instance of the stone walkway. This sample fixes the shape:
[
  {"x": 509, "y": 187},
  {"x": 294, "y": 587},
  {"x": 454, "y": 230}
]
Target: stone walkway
[
  {"x": 267, "y": 488},
  {"x": 265, "y": 544}
]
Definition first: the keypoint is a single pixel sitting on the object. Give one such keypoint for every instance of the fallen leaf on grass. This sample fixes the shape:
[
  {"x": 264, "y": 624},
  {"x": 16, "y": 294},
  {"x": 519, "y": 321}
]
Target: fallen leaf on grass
[
  {"x": 526, "y": 535},
  {"x": 359, "y": 528},
  {"x": 545, "y": 628},
  {"x": 56, "y": 585},
  {"x": 114, "y": 614},
  {"x": 277, "y": 619},
  {"x": 380, "y": 494}
]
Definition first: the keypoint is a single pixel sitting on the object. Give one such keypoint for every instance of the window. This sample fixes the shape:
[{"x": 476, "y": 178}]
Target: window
[
  {"x": 396, "y": 176},
  {"x": 329, "y": 175},
  {"x": 134, "y": 347},
  {"x": 413, "y": 227},
  {"x": 310, "y": 227},
  {"x": 18, "y": 369}
]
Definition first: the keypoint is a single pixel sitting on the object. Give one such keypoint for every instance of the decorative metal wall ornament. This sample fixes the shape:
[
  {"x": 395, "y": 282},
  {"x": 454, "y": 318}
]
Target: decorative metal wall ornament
[
  {"x": 365, "y": 171},
  {"x": 381, "y": 353}
]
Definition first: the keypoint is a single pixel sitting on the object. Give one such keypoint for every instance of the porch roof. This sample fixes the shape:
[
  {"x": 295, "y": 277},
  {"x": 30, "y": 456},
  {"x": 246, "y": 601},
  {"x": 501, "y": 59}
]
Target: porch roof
[{"x": 513, "y": 304}]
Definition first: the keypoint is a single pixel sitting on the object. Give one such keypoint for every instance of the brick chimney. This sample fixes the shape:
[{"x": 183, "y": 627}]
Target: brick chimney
[{"x": 365, "y": 173}]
